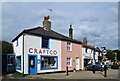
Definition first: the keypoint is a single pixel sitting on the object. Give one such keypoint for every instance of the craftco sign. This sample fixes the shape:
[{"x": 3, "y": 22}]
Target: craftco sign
[{"x": 42, "y": 51}]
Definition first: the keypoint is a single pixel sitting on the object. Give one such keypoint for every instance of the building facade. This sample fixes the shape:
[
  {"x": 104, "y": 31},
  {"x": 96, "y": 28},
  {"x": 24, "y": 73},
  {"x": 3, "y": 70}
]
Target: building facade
[
  {"x": 40, "y": 50},
  {"x": 89, "y": 53}
]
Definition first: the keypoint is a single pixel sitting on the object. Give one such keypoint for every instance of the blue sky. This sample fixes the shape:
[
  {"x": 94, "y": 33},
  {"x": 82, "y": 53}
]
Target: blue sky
[{"x": 97, "y": 21}]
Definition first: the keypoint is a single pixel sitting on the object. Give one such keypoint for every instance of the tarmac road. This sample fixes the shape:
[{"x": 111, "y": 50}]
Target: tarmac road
[{"x": 111, "y": 74}]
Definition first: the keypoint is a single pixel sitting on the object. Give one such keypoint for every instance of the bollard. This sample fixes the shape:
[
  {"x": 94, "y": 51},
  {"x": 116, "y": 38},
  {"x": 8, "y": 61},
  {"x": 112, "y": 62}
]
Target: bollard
[
  {"x": 93, "y": 67},
  {"x": 105, "y": 71},
  {"x": 67, "y": 71}
]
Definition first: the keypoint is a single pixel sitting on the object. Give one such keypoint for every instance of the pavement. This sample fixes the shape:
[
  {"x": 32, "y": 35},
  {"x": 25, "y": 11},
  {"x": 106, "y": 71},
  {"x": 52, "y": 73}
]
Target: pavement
[{"x": 111, "y": 74}]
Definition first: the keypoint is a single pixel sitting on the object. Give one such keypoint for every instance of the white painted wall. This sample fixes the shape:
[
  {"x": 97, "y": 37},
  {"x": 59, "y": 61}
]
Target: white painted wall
[
  {"x": 18, "y": 50},
  {"x": 31, "y": 41},
  {"x": 89, "y": 53}
]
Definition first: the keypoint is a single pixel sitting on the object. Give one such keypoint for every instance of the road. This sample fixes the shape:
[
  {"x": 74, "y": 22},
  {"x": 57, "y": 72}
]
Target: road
[{"x": 111, "y": 74}]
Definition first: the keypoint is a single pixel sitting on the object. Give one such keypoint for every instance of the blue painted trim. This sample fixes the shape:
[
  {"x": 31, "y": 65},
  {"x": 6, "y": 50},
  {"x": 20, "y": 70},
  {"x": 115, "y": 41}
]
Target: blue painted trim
[
  {"x": 48, "y": 47},
  {"x": 18, "y": 68},
  {"x": 48, "y": 68},
  {"x": 35, "y": 63}
]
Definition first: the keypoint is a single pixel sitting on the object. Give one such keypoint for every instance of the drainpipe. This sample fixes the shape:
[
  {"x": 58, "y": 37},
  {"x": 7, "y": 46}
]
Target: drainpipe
[{"x": 23, "y": 56}]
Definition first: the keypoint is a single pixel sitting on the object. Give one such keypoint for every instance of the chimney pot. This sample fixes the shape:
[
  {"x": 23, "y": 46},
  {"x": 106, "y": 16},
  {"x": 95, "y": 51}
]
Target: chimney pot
[
  {"x": 71, "y": 32},
  {"x": 47, "y": 23},
  {"x": 84, "y": 40}
]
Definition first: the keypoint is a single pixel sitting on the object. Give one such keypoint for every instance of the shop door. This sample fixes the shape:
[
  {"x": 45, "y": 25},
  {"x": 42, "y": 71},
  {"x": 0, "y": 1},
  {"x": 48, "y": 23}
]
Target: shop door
[
  {"x": 32, "y": 65},
  {"x": 77, "y": 64}
]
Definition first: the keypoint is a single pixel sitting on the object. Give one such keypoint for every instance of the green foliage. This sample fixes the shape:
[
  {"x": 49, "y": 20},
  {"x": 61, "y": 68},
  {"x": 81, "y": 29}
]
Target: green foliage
[
  {"x": 111, "y": 54},
  {"x": 7, "y": 47}
]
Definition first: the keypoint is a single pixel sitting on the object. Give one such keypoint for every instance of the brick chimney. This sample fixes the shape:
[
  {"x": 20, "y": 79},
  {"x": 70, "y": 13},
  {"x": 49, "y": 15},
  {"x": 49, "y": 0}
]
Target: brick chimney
[
  {"x": 84, "y": 40},
  {"x": 47, "y": 23},
  {"x": 71, "y": 32}
]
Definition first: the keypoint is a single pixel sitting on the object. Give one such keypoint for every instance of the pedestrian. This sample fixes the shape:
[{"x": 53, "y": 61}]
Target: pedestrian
[
  {"x": 101, "y": 66},
  {"x": 93, "y": 67}
]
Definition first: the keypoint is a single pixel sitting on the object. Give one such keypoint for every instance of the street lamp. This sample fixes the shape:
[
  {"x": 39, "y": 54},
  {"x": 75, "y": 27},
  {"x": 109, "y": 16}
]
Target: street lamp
[
  {"x": 105, "y": 67},
  {"x": 93, "y": 67}
]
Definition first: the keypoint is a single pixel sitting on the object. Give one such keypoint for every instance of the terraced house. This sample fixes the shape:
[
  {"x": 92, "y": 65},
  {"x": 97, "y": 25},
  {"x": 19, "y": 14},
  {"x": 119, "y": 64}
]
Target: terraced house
[{"x": 40, "y": 50}]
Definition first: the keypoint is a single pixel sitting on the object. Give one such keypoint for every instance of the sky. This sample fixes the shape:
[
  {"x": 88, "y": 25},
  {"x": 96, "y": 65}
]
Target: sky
[{"x": 97, "y": 21}]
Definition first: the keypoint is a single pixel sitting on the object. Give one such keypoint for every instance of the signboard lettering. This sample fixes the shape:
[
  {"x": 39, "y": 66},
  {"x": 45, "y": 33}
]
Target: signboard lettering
[{"x": 42, "y": 51}]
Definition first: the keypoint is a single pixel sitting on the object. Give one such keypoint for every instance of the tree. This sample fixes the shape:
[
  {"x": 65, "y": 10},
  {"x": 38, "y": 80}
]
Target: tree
[
  {"x": 7, "y": 47},
  {"x": 111, "y": 54}
]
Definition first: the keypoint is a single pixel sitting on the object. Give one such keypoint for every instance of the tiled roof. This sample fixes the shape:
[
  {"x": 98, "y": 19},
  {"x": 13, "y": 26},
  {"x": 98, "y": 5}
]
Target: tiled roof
[
  {"x": 39, "y": 31},
  {"x": 91, "y": 47}
]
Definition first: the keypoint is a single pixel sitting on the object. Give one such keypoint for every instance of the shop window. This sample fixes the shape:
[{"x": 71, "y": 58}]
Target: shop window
[
  {"x": 45, "y": 42},
  {"x": 18, "y": 62},
  {"x": 69, "y": 46},
  {"x": 69, "y": 62},
  {"x": 49, "y": 62},
  {"x": 10, "y": 60}
]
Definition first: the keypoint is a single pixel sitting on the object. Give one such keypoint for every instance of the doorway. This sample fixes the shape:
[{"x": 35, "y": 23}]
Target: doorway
[
  {"x": 32, "y": 64},
  {"x": 77, "y": 63}
]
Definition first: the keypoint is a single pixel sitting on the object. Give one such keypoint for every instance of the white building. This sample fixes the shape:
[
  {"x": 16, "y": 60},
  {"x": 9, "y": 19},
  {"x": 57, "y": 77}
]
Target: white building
[{"x": 89, "y": 53}]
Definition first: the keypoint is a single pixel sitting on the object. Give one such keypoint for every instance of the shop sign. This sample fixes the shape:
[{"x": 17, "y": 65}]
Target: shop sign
[{"x": 42, "y": 51}]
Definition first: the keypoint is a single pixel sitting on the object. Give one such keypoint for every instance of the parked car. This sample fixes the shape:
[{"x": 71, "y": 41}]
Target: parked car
[
  {"x": 98, "y": 66},
  {"x": 108, "y": 64}
]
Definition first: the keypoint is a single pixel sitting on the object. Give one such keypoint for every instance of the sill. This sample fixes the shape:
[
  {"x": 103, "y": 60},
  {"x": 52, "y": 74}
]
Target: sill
[
  {"x": 45, "y": 48},
  {"x": 69, "y": 51},
  {"x": 69, "y": 66},
  {"x": 48, "y": 68}
]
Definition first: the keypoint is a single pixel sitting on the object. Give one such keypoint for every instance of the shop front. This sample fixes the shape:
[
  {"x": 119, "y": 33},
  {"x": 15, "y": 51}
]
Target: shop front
[{"x": 42, "y": 60}]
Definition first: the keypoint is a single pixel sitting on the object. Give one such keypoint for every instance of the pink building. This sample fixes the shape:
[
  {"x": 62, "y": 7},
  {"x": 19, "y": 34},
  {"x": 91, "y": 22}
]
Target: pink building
[{"x": 71, "y": 57}]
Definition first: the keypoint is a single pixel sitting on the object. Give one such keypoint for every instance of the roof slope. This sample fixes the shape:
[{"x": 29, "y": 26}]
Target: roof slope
[
  {"x": 91, "y": 47},
  {"x": 39, "y": 31}
]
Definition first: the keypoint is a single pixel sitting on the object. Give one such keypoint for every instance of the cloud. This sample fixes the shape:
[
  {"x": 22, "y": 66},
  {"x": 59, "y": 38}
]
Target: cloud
[{"x": 95, "y": 21}]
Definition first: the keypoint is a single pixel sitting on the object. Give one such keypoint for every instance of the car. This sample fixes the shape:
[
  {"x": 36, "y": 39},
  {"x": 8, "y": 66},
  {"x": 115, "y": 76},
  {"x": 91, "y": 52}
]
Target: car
[{"x": 98, "y": 66}]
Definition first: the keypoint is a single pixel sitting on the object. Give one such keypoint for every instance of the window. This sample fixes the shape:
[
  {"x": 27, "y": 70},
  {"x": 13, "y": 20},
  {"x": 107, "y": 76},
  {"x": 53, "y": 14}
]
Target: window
[
  {"x": 49, "y": 62},
  {"x": 17, "y": 42},
  {"x": 86, "y": 50},
  {"x": 69, "y": 48},
  {"x": 10, "y": 60},
  {"x": 18, "y": 62},
  {"x": 45, "y": 42},
  {"x": 69, "y": 62}
]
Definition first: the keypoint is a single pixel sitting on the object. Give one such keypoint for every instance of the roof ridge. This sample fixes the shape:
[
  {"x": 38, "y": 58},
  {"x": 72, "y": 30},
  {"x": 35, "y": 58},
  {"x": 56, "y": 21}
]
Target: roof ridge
[{"x": 33, "y": 28}]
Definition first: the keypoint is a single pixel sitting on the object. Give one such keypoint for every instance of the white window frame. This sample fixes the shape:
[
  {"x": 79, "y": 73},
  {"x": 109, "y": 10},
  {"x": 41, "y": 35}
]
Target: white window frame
[
  {"x": 69, "y": 46},
  {"x": 70, "y": 61}
]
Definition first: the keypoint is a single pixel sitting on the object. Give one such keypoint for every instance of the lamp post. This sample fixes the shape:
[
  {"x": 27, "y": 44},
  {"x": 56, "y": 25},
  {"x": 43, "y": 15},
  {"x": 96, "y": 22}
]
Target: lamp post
[{"x": 105, "y": 67}]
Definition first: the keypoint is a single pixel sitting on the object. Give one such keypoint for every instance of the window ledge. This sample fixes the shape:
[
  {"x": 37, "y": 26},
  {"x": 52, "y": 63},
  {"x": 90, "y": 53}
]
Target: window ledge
[{"x": 69, "y": 51}]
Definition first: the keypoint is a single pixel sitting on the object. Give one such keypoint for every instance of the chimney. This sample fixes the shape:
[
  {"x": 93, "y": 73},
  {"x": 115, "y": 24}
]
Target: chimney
[
  {"x": 47, "y": 23},
  {"x": 84, "y": 40},
  {"x": 71, "y": 32}
]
